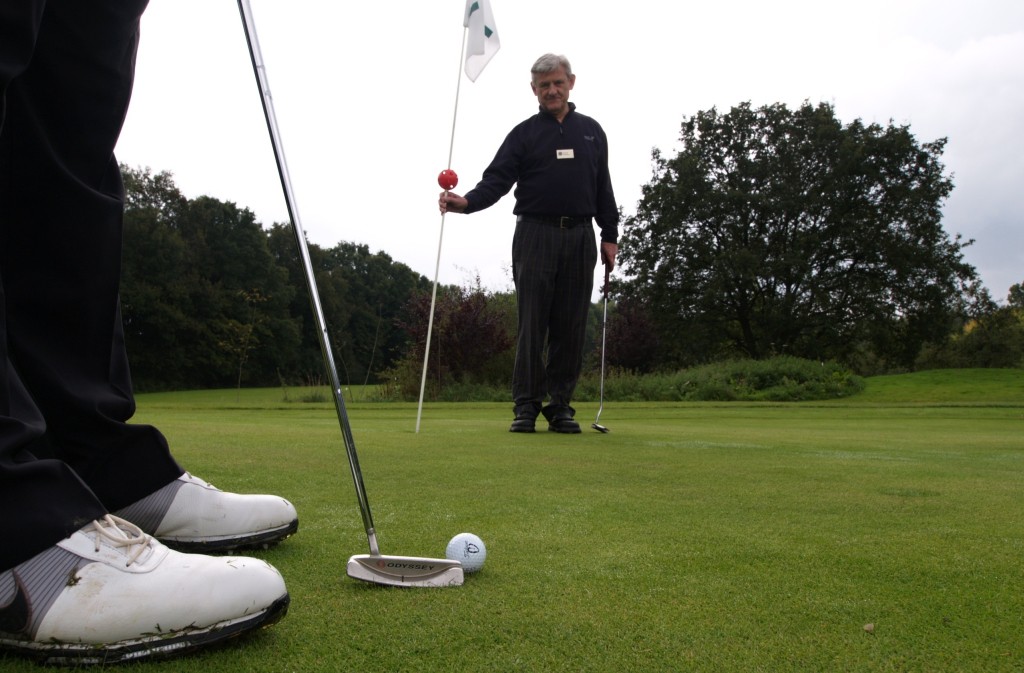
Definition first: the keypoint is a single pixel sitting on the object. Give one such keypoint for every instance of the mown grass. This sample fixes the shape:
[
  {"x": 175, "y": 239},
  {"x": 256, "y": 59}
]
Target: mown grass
[
  {"x": 693, "y": 537},
  {"x": 968, "y": 387}
]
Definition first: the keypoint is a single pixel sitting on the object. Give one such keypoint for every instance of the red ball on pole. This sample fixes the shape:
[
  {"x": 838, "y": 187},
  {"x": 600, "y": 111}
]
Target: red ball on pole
[{"x": 447, "y": 179}]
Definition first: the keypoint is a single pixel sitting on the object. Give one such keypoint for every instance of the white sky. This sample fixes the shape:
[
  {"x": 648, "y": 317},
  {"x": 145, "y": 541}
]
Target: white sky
[{"x": 365, "y": 96}]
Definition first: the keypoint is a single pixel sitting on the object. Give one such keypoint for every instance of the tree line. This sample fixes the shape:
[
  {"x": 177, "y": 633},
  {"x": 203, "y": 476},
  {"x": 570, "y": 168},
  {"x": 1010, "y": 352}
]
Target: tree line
[
  {"x": 770, "y": 232},
  {"x": 211, "y": 298}
]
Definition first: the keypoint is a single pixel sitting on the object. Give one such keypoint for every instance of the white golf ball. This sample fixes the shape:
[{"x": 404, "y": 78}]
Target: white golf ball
[{"x": 469, "y": 550}]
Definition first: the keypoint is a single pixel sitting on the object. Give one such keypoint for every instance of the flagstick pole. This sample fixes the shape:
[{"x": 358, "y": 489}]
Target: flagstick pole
[{"x": 440, "y": 239}]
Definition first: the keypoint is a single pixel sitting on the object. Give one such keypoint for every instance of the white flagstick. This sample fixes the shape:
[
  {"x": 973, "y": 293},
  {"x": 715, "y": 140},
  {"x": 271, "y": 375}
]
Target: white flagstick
[{"x": 440, "y": 239}]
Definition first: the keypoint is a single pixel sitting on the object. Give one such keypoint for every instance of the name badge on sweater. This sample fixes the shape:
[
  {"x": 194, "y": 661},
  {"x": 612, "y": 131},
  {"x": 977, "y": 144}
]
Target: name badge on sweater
[{"x": 564, "y": 154}]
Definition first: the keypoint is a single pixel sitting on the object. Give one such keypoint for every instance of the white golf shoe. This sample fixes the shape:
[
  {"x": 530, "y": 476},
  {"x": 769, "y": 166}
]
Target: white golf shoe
[
  {"x": 191, "y": 515},
  {"x": 110, "y": 593}
]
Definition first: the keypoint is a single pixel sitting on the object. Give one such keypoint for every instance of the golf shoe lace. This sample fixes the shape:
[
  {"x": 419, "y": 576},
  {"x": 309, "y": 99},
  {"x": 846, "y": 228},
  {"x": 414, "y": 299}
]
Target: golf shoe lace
[{"x": 120, "y": 533}]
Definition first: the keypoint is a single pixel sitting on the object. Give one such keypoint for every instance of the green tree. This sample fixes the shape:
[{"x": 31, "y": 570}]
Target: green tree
[
  {"x": 362, "y": 294},
  {"x": 189, "y": 268},
  {"x": 991, "y": 337},
  {"x": 307, "y": 361},
  {"x": 1015, "y": 298},
  {"x": 157, "y": 194},
  {"x": 778, "y": 231},
  {"x": 377, "y": 290},
  {"x": 156, "y": 281},
  {"x": 212, "y": 299},
  {"x": 995, "y": 339},
  {"x": 241, "y": 338},
  {"x": 231, "y": 260}
]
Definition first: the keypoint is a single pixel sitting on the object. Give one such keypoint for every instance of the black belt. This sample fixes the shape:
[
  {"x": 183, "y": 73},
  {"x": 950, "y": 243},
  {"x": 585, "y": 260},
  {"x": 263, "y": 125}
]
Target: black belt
[{"x": 560, "y": 221}]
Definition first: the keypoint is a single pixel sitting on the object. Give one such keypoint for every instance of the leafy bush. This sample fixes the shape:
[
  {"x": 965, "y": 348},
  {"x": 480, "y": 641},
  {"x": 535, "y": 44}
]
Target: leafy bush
[
  {"x": 472, "y": 347},
  {"x": 780, "y": 379}
]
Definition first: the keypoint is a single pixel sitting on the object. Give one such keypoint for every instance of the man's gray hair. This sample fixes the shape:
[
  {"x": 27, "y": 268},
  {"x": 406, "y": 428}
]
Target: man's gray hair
[{"x": 550, "y": 63}]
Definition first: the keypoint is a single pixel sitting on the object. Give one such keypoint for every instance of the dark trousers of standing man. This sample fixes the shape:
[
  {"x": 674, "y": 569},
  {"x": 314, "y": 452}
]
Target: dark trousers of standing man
[
  {"x": 67, "y": 454},
  {"x": 553, "y": 271}
]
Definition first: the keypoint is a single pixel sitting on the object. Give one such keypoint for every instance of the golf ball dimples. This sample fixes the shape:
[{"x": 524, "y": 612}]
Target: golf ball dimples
[
  {"x": 469, "y": 550},
  {"x": 447, "y": 179}
]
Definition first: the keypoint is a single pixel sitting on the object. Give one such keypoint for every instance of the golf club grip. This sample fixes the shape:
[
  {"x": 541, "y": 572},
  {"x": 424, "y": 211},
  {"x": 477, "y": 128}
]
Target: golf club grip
[{"x": 259, "y": 71}]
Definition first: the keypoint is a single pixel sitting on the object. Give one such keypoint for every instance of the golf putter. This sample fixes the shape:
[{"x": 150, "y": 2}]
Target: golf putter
[
  {"x": 406, "y": 571},
  {"x": 604, "y": 334}
]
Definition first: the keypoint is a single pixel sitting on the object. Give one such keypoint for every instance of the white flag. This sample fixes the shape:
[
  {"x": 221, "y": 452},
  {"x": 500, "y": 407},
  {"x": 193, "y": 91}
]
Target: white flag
[{"x": 482, "y": 42}]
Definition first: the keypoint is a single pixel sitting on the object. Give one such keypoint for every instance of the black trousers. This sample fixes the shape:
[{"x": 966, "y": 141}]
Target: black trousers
[
  {"x": 553, "y": 271},
  {"x": 67, "y": 453}
]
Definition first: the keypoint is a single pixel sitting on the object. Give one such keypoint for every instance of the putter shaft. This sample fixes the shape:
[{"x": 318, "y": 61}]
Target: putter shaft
[{"x": 604, "y": 335}]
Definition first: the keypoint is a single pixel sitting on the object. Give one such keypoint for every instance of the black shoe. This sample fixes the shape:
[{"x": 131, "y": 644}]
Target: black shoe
[
  {"x": 524, "y": 424},
  {"x": 565, "y": 425},
  {"x": 525, "y": 417},
  {"x": 560, "y": 420}
]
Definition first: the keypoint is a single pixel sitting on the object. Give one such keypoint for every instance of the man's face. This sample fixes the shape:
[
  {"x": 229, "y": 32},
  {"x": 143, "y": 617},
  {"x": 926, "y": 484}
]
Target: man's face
[{"x": 552, "y": 91}]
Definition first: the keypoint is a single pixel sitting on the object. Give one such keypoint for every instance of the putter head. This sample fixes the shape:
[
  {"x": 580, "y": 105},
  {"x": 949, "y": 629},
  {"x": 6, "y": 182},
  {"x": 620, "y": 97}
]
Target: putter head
[
  {"x": 405, "y": 571},
  {"x": 599, "y": 427}
]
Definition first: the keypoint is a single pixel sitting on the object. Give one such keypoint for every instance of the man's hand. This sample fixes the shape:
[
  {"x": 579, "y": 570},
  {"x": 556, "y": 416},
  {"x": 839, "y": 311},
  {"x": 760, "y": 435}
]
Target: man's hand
[
  {"x": 450, "y": 202},
  {"x": 608, "y": 252}
]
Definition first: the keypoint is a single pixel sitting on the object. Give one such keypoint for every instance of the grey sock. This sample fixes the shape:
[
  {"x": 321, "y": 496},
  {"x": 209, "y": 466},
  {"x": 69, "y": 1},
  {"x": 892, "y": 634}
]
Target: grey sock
[
  {"x": 29, "y": 590},
  {"x": 149, "y": 512}
]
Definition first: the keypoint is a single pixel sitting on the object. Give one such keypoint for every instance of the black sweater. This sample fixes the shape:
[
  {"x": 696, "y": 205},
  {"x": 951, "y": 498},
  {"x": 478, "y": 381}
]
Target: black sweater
[{"x": 558, "y": 169}]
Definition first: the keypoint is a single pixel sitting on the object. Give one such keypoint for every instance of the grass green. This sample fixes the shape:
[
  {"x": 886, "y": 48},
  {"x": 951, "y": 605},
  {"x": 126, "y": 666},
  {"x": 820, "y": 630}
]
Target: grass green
[{"x": 692, "y": 537}]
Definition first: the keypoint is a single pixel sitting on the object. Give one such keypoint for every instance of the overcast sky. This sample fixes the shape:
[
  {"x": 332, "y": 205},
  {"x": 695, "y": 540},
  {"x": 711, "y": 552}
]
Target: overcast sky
[{"x": 365, "y": 95}]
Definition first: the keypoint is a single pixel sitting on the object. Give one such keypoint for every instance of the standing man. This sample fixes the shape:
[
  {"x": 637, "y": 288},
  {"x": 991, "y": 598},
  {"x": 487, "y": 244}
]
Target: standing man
[
  {"x": 87, "y": 500},
  {"x": 558, "y": 160}
]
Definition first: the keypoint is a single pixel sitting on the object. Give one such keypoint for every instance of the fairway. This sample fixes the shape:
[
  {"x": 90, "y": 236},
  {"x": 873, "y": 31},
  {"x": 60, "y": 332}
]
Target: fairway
[{"x": 692, "y": 537}]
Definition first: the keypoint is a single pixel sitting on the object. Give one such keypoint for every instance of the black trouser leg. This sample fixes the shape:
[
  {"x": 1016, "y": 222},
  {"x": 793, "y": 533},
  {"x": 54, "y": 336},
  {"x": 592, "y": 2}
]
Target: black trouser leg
[
  {"x": 553, "y": 270},
  {"x": 66, "y": 72},
  {"x": 567, "y": 328}
]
